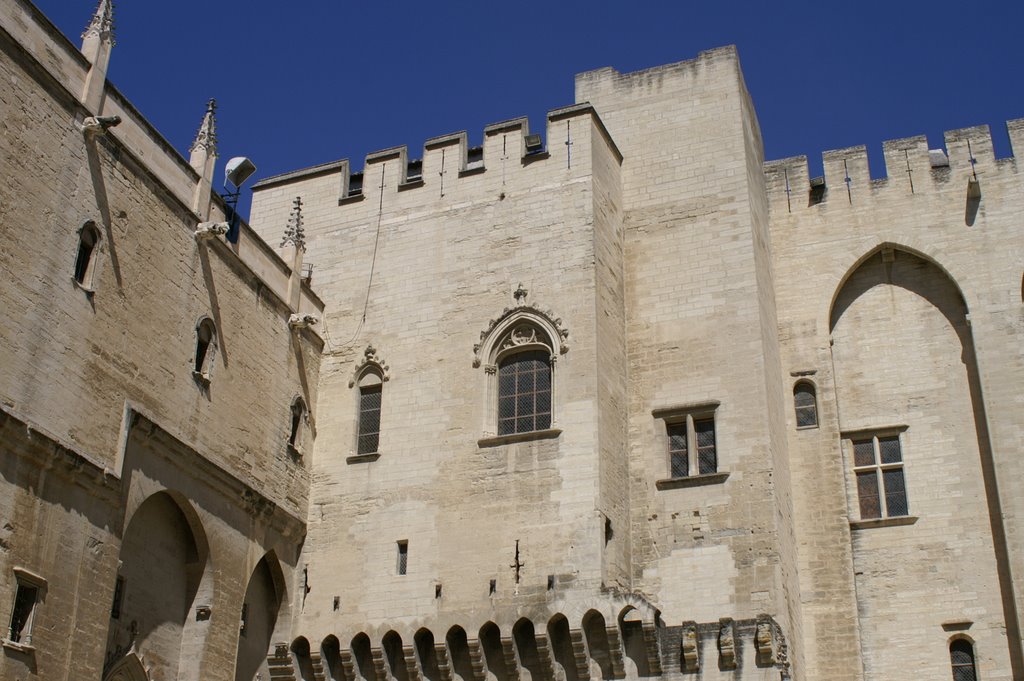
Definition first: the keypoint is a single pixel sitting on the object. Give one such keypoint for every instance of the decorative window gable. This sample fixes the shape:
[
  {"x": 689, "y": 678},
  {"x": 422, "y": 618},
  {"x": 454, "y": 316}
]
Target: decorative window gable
[{"x": 518, "y": 351}]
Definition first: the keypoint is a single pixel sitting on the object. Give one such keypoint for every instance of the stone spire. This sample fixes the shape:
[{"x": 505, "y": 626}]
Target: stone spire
[
  {"x": 101, "y": 27},
  {"x": 294, "y": 233},
  {"x": 203, "y": 158},
  {"x": 206, "y": 138},
  {"x": 96, "y": 43}
]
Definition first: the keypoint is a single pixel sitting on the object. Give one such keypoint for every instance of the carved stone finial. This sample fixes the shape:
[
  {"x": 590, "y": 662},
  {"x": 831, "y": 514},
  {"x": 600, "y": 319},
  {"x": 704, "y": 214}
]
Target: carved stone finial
[
  {"x": 206, "y": 137},
  {"x": 102, "y": 23},
  {"x": 370, "y": 359},
  {"x": 520, "y": 294},
  {"x": 294, "y": 233},
  {"x": 726, "y": 643},
  {"x": 691, "y": 647}
]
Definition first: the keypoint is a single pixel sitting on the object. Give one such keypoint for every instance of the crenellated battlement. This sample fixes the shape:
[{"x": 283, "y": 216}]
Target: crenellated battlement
[
  {"x": 911, "y": 166},
  {"x": 448, "y": 158}
]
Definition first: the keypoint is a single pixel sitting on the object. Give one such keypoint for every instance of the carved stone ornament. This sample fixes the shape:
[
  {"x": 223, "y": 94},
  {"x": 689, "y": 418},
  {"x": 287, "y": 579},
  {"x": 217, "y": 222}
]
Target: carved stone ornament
[
  {"x": 206, "y": 136},
  {"x": 209, "y": 230},
  {"x": 102, "y": 23},
  {"x": 370, "y": 359},
  {"x": 690, "y": 647},
  {"x": 302, "y": 321},
  {"x": 519, "y": 326},
  {"x": 764, "y": 641},
  {"x": 726, "y": 643}
]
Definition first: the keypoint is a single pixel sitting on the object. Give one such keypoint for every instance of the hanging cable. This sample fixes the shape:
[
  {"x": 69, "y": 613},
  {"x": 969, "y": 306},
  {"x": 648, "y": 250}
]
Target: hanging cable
[{"x": 373, "y": 260}]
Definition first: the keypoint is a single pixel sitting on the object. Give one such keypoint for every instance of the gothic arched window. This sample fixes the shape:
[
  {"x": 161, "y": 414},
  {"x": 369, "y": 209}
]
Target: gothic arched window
[
  {"x": 961, "y": 658},
  {"x": 518, "y": 353},
  {"x": 206, "y": 339},
  {"x": 806, "y": 405},
  {"x": 88, "y": 239}
]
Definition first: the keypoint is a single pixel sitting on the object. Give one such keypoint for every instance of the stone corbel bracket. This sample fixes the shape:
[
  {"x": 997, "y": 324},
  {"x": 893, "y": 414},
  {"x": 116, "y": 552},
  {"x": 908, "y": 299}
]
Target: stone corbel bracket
[
  {"x": 726, "y": 643},
  {"x": 209, "y": 230},
  {"x": 370, "y": 359},
  {"x": 690, "y": 647},
  {"x": 302, "y": 321},
  {"x": 764, "y": 640}
]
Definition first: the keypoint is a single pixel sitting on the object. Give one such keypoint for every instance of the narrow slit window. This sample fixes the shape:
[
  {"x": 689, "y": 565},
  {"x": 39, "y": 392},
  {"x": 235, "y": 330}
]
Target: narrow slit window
[
  {"x": 403, "y": 557},
  {"x": 88, "y": 237},
  {"x": 115, "y": 607},
  {"x": 297, "y": 416},
  {"x": 206, "y": 334}
]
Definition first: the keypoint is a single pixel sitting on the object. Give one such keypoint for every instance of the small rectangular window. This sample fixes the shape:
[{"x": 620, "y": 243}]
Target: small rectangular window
[
  {"x": 692, "y": 445},
  {"x": 403, "y": 557}
]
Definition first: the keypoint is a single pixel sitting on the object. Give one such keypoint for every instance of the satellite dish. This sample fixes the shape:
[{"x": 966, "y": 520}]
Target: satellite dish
[{"x": 238, "y": 170}]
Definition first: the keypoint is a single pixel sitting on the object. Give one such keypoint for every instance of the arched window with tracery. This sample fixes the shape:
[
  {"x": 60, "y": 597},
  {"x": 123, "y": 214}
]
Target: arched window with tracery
[
  {"x": 961, "y": 658},
  {"x": 519, "y": 353}
]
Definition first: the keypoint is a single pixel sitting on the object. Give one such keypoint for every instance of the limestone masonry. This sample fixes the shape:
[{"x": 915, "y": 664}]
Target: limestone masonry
[{"x": 618, "y": 401}]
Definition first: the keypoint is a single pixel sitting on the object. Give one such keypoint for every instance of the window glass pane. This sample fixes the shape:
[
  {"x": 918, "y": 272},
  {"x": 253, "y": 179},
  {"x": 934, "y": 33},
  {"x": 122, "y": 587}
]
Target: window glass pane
[
  {"x": 677, "y": 437},
  {"x": 506, "y": 407},
  {"x": 506, "y": 383},
  {"x": 680, "y": 464},
  {"x": 863, "y": 453},
  {"x": 524, "y": 393},
  {"x": 803, "y": 396},
  {"x": 707, "y": 458},
  {"x": 889, "y": 448},
  {"x": 895, "y": 492},
  {"x": 867, "y": 493},
  {"x": 543, "y": 402}
]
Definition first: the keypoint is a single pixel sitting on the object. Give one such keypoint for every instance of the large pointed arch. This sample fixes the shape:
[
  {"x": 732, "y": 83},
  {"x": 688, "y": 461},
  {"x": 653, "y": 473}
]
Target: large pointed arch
[{"x": 914, "y": 432}]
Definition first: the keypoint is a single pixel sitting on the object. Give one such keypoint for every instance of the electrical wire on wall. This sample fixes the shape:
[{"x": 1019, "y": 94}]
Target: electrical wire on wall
[{"x": 373, "y": 267}]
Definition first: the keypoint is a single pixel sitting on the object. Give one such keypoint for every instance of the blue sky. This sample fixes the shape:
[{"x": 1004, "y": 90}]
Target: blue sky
[{"x": 306, "y": 82}]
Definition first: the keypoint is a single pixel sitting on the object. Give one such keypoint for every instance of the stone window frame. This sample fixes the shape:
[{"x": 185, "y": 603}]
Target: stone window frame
[
  {"x": 671, "y": 417},
  {"x": 369, "y": 377},
  {"x": 961, "y": 641},
  {"x": 875, "y": 434},
  {"x": 518, "y": 330},
  {"x": 25, "y": 580},
  {"x": 812, "y": 408},
  {"x": 205, "y": 351},
  {"x": 83, "y": 274}
]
